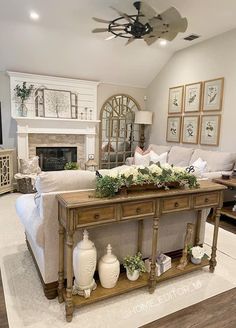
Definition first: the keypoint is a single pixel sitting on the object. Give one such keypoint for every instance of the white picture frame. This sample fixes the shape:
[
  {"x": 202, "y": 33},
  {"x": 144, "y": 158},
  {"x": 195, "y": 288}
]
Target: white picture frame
[
  {"x": 173, "y": 130},
  {"x": 213, "y": 94},
  {"x": 192, "y": 97},
  {"x": 190, "y": 129},
  {"x": 175, "y": 103},
  {"x": 210, "y": 130}
]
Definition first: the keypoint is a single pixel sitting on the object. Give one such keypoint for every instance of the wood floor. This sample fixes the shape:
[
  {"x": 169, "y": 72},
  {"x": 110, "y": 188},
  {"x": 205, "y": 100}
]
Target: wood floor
[
  {"x": 3, "y": 312},
  {"x": 216, "y": 312}
]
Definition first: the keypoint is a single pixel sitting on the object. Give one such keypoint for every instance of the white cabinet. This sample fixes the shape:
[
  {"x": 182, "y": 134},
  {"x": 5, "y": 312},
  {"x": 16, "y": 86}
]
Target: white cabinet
[{"x": 6, "y": 170}]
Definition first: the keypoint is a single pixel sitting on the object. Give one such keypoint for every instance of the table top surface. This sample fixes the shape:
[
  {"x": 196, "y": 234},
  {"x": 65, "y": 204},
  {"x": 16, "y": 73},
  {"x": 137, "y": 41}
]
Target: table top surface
[
  {"x": 231, "y": 182},
  {"x": 84, "y": 198}
]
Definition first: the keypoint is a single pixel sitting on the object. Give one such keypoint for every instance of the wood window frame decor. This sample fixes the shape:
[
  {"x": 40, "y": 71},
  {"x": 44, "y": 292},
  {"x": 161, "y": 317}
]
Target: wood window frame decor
[
  {"x": 173, "y": 132},
  {"x": 50, "y": 104},
  {"x": 210, "y": 130},
  {"x": 175, "y": 102},
  {"x": 190, "y": 129},
  {"x": 213, "y": 91},
  {"x": 192, "y": 97}
]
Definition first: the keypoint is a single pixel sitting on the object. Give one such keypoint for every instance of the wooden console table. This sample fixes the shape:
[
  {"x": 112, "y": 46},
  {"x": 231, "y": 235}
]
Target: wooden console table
[
  {"x": 231, "y": 184},
  {"x": 81, "y": 210}
]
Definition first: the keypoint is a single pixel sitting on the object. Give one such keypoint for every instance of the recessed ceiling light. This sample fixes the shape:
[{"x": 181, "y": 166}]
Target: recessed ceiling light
[
  {"x": 34, "y": 15},
  {"x": 163, "y": 43}
]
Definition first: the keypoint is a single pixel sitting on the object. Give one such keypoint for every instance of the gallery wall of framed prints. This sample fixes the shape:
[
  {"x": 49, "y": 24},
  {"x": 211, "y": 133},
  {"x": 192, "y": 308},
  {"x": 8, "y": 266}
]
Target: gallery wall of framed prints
[{"x": 194, "y": 113}]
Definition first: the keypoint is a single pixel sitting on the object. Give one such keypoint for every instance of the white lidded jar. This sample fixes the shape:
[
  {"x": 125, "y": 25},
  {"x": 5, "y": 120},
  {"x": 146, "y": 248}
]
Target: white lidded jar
[
  {"x": 84, "y": 265},
  {"x": 109, "y": 269}
]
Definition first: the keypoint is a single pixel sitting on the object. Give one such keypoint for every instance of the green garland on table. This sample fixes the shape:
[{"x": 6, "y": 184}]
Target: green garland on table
[{"x": 110, "y": 184}]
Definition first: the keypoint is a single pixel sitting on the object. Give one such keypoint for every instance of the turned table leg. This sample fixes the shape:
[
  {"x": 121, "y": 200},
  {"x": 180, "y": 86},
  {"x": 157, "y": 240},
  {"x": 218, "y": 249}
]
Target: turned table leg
[
  {"x": 214, "y": 243},
  {"x": 198, "y": 227},
  {"x": 61, "y": 264},
  {"x": 69, "y": 274},
  {"x": 152, "y": 277},
  {"x": 140, "y": 235}
]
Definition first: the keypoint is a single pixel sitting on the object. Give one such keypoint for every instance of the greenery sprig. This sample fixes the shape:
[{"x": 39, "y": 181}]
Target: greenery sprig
[{"x": 23, "y": 92}]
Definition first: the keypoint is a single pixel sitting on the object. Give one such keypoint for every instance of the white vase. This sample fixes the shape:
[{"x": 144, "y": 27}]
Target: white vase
[
  {"x": 109, "y": 269},
  {"x": 132, "y": 276},
  {"x": 84, "y": 265},
  {"x": 195, "y": 261}
]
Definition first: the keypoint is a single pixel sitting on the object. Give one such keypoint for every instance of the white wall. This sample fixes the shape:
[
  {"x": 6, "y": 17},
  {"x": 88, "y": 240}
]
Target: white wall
[
  {"x": 207, "y": 60},
  {"x": 8, "y": 124}
]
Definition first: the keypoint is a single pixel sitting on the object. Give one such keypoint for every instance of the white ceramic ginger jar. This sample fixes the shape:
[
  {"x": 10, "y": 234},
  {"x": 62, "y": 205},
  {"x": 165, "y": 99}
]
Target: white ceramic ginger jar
[
  {"x": 84, "y": 265},
  {"x": 109, "y": 269}
]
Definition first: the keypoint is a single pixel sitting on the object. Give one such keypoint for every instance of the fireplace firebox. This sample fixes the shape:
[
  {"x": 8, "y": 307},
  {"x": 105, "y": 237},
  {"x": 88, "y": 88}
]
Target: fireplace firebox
[{"x": 55, "y": 158}]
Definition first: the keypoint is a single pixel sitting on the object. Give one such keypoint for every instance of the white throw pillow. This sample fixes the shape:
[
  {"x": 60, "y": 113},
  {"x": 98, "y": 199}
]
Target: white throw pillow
[
  {"x": 200, "y": 166},
  {"x": 30, "y": 166},
  {"x": 154, "y": 157},
  {"x": 140, "y": 159}
]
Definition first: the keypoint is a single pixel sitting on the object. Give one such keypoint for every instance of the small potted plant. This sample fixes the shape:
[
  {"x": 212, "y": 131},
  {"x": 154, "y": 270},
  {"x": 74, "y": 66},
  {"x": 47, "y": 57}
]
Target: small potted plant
[
  {"x": 71, "y": 166},
  {"x": 197, "y": 253},
  {"x": 134, "y": 266},
  {"x": 23, "y": 93}
]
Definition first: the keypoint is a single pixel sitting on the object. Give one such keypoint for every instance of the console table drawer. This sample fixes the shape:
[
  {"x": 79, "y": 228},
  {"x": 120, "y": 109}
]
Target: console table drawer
[
  {"x": 137, "y": 209},
  {"x": 95, "y": 215},
  {"x": 206, "y": 199},
  {"x": 175, "y": 204}
]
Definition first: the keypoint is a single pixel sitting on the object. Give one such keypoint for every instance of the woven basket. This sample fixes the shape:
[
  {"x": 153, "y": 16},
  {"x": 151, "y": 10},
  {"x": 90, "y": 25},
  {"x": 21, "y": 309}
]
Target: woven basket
[{"x": 25, "y": 186}]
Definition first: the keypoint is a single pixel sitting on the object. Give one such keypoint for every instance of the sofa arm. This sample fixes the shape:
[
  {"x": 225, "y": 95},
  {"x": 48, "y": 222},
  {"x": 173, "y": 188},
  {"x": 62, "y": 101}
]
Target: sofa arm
[
  {"x": 129, "y": 161},
  {"x": 215, "y": 175}
]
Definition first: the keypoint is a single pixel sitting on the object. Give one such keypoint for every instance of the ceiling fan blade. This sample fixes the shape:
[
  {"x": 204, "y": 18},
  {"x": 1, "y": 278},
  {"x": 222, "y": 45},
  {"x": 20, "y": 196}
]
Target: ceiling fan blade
[
  {"x": 169, "y": 36},
  {"x": 180, "y": 25},
  {"x": 130, "y": 40},
  {"x": 143, "y": 20},
  {"x": 125, "y": 16},
  {"x": 100, "y": 20},
  {"x": 111, "y": 37},
  {"x": 151, "y": 40},
  {"x": 170, "y": 15},
  {"x": 99, "y": 30},
  {"x": 147, "y": 10}
]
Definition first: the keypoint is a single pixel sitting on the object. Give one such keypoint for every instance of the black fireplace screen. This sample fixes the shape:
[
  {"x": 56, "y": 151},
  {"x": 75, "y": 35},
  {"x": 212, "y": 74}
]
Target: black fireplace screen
[{"x": 55, "y": 158}]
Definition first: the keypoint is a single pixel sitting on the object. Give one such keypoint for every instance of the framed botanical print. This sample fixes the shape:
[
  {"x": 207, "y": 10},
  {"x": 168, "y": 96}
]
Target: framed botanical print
[
  {"x": 210, "y": 130},
  {"x": 190, "y": 129},
  {"x": 173, "y": 128},
  {"x": 175, "y": 105},
  {"x": 192, "y": 99},
  {"x": 213, "y": 94}
]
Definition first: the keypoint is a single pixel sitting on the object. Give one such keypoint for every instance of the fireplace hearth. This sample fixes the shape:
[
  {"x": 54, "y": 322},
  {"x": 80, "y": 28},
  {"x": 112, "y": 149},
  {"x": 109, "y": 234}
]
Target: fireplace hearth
[{"x": 55, "y": 158}]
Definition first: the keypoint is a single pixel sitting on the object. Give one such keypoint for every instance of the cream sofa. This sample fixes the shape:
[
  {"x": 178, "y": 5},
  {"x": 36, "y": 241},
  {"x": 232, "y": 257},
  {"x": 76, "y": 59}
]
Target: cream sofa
[{"x": 39, "y": 217}]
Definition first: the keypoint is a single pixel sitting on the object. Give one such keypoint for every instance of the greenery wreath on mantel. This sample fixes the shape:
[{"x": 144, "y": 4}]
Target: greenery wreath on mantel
[{"x": 156, "y": 175}]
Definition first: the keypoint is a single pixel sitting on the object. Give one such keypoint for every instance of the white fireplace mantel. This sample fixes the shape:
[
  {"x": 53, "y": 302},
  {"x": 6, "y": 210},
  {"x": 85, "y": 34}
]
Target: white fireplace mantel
[
  {"x": 36, "y": 123},
  {"x": 26, "y": 126}
]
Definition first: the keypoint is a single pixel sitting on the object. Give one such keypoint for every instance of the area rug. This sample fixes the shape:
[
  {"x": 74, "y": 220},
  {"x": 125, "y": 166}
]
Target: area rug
[{"x": 28, "y": 307}]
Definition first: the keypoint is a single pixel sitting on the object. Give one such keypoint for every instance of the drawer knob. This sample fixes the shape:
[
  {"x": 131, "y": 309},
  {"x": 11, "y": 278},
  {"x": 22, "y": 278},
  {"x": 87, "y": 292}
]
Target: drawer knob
[
  {"x": 96, "y": 216},
  {"x": 176, "y": 204},
  {"x": 206, "y": 200},
  {"x": 138, "y": 210}
]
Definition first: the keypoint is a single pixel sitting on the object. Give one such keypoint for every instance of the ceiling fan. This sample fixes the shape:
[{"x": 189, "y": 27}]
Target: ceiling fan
[{"x": 147, "y": 24}]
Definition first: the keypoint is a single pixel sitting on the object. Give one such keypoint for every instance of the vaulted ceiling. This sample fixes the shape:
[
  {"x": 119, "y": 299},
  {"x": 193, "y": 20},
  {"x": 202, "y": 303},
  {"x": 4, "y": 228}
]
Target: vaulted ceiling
[{"x": 61, "y": 43}]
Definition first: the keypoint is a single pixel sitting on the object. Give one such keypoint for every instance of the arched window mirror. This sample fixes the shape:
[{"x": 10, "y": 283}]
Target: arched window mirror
[{"x": 118, "y": 134}]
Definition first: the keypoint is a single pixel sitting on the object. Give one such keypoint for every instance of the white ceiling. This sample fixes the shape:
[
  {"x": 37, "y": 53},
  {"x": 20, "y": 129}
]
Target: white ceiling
[{"x": 61, "y": 42}]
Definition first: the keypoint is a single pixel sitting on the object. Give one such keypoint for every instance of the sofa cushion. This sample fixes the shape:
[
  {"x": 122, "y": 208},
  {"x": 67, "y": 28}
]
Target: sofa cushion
[
  {"x": 216, "y": 160},
  {"x": 180, "y": 156},
  {"x": 154, "y": 157},
  {"x": 65, "y": 180},
  {"x": 159, "y": 149}
]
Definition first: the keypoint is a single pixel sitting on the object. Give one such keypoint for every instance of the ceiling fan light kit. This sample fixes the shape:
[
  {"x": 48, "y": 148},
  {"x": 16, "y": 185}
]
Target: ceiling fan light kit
[{"x": 147, "y": 24}]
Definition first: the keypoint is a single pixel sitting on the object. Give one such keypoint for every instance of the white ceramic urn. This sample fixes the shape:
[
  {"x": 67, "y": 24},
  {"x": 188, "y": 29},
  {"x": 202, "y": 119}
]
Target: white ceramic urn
[
  {"x": 84, "y": 265},
  {"x": 109, "y": 269}
]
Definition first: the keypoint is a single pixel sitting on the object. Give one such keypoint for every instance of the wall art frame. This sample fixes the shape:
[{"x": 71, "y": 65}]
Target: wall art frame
[
  {"x": 213, "y": 91},
  {"x": 173, "y": 130},
  {"x": 192, "y": 97},
  {"x": 190, "y": 129},
  {"x": 175, "y": 102},
  {"x": 57, "y": 103},
  {"x": 210, "y": 130}
]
